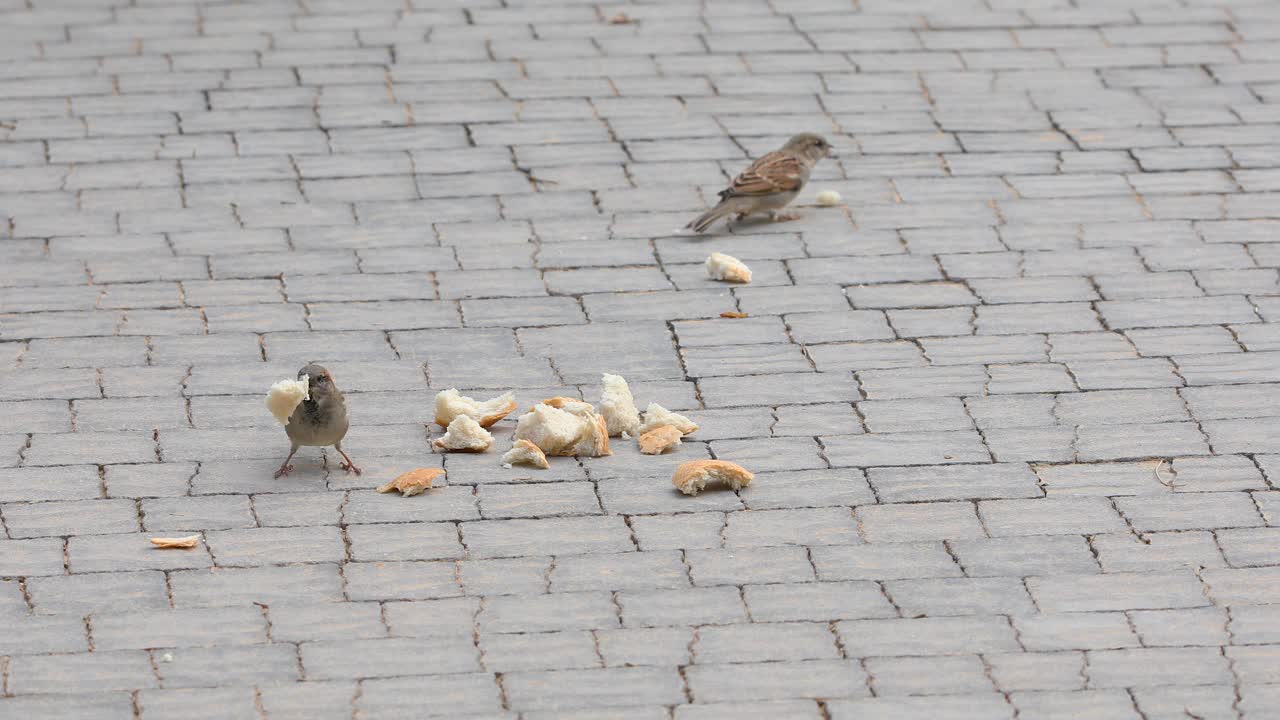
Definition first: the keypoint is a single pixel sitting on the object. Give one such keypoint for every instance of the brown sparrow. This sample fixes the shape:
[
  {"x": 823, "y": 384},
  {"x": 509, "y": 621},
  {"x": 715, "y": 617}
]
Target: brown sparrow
[
  {"x": 770, "y": 183},
  {"x": 320, "y": 420}
]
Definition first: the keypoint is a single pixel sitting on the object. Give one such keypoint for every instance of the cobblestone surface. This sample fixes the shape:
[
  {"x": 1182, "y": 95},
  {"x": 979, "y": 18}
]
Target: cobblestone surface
[{"x": 1013, "y": 408}]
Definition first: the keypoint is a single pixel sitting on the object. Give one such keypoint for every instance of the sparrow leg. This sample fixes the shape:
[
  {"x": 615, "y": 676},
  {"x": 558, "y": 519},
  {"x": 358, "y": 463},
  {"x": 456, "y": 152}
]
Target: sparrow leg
[
  {"x": 285, "y": 467},
  {"x": 779, "y": 216},
  {"x": 348, "y": 465}
]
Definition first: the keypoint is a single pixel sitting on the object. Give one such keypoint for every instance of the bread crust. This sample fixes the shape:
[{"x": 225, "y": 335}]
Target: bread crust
[
  {"x": 660, "y": 440},
  {"x": 692, "y": 477},
  {"x": 464, "y": 434},
  {"x": 413, "y": 482}
]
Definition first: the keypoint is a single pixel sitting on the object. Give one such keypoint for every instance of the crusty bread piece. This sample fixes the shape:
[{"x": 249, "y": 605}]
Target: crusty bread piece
[
  {"x": 727, "y": 267},
  {"x": 660, "y": 440},
  {"x": 692, "y": 477},
  {"x": 655, "y": 416},
  {"x": 557, "y": 432},
  {"x": 618, "y": 406},
  {"x": 581, "y": 408},
  {"x": 189, "y": 541},
  {"x": 464, "y": 435},
  {"x": 285, "y": 396},
  {"x": 450, "y": 404},
  {"x": 526, "y": 453},
  {"x": 412, "y": 482}
]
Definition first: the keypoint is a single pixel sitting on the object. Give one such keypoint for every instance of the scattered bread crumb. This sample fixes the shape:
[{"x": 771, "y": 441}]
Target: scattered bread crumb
[
  {"x": 525, "y": 453},
  {"x": 285, "y": 396},
  {"x": 450, "y": 404},
  {"x": 733, "y": 315},
  {"x": 413, "y": 482},
  {"x": 692, "y": 477},
  {"x": 655, "y": 416},
  {"x": 621, "y": 19},
  {"x": 827, "y": 198},
  {"x": 464, "y": 434},
  {"x": 189, "y": 541},
  {"x": 727, "y": 267},
  {"x": 557, "y": 432},
  {"x": 166, "y": 658},
  {"x": 660, "y": 440},
  {"x": 618, "y": 406}
]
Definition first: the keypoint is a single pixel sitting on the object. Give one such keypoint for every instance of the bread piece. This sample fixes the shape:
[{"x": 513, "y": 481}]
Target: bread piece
[
  {"x": 581, "y": 408},
  {"x": 655, "y": 416},
  {"x": 733, "y": 315},
  {"x": 189, "y": 541},
  {"x": 285, "y": 396},
  {"x": 557, "y": 432},
  {"x": 692, "y": 477},
  {"x": 525, "y": 453},
  {"x": 464, "y": 435},
  {"x": 618, "y": 406},
  {"x": 828, "y": 198},
  {"x": 727, "y": 267},
  {"x": 660, "y": 440},
  {"x": 450, "y": 404},
  {"x": 412, "y": 482}
]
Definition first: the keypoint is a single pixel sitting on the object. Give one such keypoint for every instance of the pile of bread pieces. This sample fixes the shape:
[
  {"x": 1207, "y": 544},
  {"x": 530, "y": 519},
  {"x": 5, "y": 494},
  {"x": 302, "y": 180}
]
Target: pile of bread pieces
[{"x": 565, "y": 426}]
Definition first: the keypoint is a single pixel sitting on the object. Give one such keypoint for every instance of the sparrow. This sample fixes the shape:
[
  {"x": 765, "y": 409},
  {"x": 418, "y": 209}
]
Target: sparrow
[
  {"x": 770, "y": 183},
  {"x": 320, "y": 420}
]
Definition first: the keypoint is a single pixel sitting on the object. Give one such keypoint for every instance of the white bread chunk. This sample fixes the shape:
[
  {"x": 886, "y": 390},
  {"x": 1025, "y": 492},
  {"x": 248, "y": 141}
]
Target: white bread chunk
[
  {"x": 692, "y": 477},
  {"x": 465, "y": 435},
  {"x": 727, "y": 267},
  {"x": 828, "y": 198},
  {"x": 285, "y": 396},
  {"x": 450, "y": 404},
  {"x": 655, "y": 416},
  {"x": 558, "y": 432},
  {"x": 659, "y": 440},
  {"x": 526, "y": 453},
  {"x": 618, "y": 406}
]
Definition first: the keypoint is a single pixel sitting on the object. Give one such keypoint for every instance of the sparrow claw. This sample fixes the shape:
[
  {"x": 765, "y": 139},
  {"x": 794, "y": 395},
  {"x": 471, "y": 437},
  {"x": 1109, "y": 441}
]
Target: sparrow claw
[
  {"x": 284, "y": 470},
  {"x": 786, "y": 217},
  {"x": 350, "y": 467}
]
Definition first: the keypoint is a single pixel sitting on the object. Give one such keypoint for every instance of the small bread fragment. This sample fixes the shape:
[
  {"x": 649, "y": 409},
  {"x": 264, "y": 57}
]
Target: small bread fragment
[
  {"x": 692, "y": 477},
  {"x": 189, "y": 541},
  {"x": 413, "y": 482},
  {"x": 464, "y": 434},
  {"x": 285, "y": 396},
  {"x": 733, "y": 315},
  {"x": 450, "y": 404},
  {"x": 618, "y": 406},
  {"x": 828, "y": 198},
  {"x": 558, "y": 432},
  {"x": 655, "y": 416},
  {"x": 526, "y": 453},
  {"x": 727, "y": 267},
  {"x": 660, "y": 440}
]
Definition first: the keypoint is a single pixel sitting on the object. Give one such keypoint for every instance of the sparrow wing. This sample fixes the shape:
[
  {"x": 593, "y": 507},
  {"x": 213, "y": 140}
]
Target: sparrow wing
[{"x": 776, "y": 172}]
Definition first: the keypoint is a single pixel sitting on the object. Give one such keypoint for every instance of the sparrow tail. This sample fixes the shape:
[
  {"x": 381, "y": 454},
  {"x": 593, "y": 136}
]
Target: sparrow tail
[{"x": 704, "y": 221}]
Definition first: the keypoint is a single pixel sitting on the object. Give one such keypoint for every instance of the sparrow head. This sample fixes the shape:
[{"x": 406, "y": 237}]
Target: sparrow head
[
  {"x": 810, "y": 146},
  {"x": 319, "y": 379}
]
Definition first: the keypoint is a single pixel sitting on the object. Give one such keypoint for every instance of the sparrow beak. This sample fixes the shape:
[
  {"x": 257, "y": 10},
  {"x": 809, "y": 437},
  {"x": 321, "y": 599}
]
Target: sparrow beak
[{"x": 831, "y": 152}]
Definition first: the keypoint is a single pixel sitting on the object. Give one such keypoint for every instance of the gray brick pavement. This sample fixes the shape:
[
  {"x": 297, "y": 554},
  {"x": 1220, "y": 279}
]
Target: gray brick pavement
[{"x": 1011, "y": 407}]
